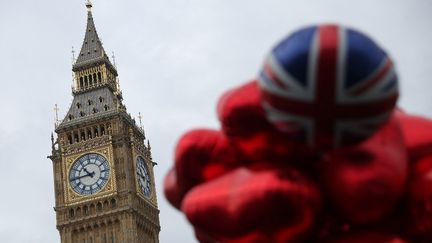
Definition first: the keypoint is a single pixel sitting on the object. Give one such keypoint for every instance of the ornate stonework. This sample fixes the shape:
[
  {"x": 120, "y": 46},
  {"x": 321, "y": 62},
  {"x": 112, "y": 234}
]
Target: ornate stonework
[{"x": 124, "y": 207}]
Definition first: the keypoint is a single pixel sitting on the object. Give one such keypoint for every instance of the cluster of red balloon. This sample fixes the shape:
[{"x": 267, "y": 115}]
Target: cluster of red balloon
[{"x": 312, "y": 151}]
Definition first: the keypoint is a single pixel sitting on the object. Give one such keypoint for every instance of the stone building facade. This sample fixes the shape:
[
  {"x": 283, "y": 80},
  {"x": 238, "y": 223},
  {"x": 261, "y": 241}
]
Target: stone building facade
[{"x": 103, "y": 169}]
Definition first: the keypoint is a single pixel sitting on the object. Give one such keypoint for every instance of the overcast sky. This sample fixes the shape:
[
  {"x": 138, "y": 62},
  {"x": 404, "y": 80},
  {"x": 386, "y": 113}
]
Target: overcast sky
[{"x": 175, "y": 58}]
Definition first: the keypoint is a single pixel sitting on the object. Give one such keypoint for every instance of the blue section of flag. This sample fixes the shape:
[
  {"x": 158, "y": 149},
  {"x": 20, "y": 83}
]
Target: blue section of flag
[
  {"x": 293, "y": 54},
  {"x": 363, "y": 57}
]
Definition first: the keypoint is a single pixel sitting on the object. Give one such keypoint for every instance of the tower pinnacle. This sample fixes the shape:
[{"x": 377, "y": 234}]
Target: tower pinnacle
[
  {"x": 89, "y": 5},
  {"x": 92, "y": 67}
]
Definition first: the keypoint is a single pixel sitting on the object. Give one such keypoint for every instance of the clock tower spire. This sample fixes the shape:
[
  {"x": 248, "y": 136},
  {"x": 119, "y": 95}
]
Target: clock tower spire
[
  {"x": 103, "y": 170},
  {"x": 92, "y": 55}
]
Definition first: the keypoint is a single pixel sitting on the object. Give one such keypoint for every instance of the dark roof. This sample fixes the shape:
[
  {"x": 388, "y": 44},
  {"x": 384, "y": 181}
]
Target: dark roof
[
  {"x": 92, "y": 104},
  {"x": 92, "y": 50}
]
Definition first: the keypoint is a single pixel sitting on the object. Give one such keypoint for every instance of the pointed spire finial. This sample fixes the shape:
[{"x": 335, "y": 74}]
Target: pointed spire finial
[
  {"x": 73, "y": 55},
  {"x": 114, "y": 60},
  {"x": 56, "y": 110},
  {"x": 89, "y": 5},
  {"x": 141, "y": 125},
  {"x": 140, "y": 119}
]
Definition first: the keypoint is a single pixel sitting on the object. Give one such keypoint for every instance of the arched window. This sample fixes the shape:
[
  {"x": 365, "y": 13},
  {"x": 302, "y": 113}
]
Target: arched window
[
  {"x": 86, "y": 210},
  {"x": 81, "y": 82},
  {"x": 76, "y": 137},
  {"x": 83, "y": 136},
  {"x": 95, "y": 130},
  {"x": 89, "y": 134},
  {"x": 85, "y": 81},
  {"x": 99, "y": 206},
  {"x": 71, "y": 213},
  {"x": 94, "y": 78},
  {"x": 92, "y": 209},
  {"x": 113, "y": 203},
  {"x": 90, "y": 80},
  {"x": 70, "y": 139},
  {"x": 103, "y": 130},
  {"x": 99, "y": 77},
  {"x": 106, "y": 107}
]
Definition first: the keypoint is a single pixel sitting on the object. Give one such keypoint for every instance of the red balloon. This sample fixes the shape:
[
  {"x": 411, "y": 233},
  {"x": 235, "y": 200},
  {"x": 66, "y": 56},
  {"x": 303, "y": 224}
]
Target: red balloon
[
  {"x": 419, "y": 200},
  {"x": 240, "y": 112},
  {"x": 364, "y": 182},
  {"x": 417, "y": 135},
  {"x": 171, "y": 190},
  {"x": 204, "y": 237},
  {"x": 312, "y": 116},
  {"x": 202, "y": 155},
  {"x": 244, "y": 122},
  {"x": 418, "y": 139},
  {"x": 366, "y": 237},
  {"x": 274, "y": 200},
  {"x": 253, "y": 237}
]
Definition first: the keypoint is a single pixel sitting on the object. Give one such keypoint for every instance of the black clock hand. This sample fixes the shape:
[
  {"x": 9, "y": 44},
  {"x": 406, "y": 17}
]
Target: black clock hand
[
  {"x": 79, "y": 177},
  {"x": 88, "y": 173}
]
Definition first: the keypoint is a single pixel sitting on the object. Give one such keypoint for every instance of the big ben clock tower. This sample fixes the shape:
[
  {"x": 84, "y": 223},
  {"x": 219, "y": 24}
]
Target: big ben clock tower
[{"x": 103, "y": 169}]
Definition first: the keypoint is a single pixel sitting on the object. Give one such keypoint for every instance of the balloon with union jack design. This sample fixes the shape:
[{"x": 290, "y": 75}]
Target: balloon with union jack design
[{"x": 328, "y": 86}]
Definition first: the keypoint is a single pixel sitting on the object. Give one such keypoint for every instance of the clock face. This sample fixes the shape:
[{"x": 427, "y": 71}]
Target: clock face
[
  {"x": 89, "y": 174},
  {"x": 143, "y": 177}
]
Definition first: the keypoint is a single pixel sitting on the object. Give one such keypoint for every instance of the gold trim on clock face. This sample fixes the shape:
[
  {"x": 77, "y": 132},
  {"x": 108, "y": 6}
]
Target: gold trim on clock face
[
  {"x": 89, "y": 174},
  {"x": 97, "y": 163}
]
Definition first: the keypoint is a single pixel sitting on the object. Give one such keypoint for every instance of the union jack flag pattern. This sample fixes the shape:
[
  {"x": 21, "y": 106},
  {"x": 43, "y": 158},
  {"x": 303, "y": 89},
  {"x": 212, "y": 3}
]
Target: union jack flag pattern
[{"x": 328, "y": 86}]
